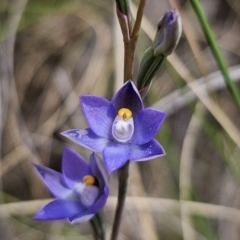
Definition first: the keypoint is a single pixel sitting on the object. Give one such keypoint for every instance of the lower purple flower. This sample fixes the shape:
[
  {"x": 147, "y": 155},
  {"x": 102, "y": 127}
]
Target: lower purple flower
[{"x": 81, "y": 190}]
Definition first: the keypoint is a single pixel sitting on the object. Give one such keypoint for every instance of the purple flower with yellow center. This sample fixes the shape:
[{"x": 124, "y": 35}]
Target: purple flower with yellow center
[
  {"x": 81, "y": 190},
  {"x": 121, "y": 130}
]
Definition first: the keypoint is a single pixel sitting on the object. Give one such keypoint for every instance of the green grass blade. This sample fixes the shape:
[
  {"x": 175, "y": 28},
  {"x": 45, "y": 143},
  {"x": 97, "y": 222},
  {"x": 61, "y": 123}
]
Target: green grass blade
[{"x": 216, "y": 51}]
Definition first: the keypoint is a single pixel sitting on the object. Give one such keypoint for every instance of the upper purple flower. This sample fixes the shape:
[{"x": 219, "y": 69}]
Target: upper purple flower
[
  {"x": 81, "y": 190},
  {"x": 121, "y": 130}
]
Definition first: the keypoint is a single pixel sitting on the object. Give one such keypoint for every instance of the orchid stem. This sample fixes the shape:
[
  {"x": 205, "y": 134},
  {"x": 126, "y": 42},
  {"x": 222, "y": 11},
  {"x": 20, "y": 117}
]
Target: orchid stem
[
  {"x": 130, "y": 44},
  {"x": 98, "y": 225},
  {"x": 130, "y": 41},
  {"x": 139, "y": 16},
  {"x": 123, "y": 176},
  {"x": 94, "y": 224}
]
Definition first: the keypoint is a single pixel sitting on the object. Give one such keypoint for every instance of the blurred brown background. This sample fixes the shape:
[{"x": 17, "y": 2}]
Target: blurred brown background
[{"x": 53, "y": 51}]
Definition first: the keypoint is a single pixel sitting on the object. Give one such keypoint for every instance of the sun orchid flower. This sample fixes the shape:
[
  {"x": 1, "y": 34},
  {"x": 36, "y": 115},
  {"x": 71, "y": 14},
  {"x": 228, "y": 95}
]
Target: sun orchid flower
[
  {"x": 81, "y": 190},
  {"x": 121, "y": 130}
]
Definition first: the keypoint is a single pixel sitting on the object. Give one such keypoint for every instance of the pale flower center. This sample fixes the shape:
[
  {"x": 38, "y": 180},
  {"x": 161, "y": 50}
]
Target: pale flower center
[
  {"x": 89, "y": 195},
  {"x": 123, "y": 126},
  {"x": 87, "y": 191}
]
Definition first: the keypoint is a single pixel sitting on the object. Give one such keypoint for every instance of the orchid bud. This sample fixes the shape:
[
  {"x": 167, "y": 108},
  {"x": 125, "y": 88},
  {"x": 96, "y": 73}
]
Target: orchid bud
[
  {"x": 165, "y": 41},
  {"x": 149, "y": 66},
  {"x": 123, "y": 6},
  {"x": 168, "y": 33}
]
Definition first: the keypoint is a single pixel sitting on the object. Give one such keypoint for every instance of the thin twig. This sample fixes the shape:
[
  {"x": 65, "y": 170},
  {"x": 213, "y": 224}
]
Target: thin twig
[
  {"x": 188, "y": 149},
  {"x": 122, "y": 193},
  {"x": 219, "y": 58},
  {"x": 138, "y": 21},
  {"x": 130, "y": 45},
  {"x": 157, "y": 205}
]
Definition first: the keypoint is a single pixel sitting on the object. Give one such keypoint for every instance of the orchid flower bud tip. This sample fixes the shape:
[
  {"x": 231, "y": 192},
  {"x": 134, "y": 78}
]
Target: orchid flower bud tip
[{"x": 168, "y": 33}]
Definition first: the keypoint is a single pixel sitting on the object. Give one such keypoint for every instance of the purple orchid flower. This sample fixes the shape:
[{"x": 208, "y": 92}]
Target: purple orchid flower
[
  {"x": 121, "y": 130},
  {"x": 81, "y": 190}
]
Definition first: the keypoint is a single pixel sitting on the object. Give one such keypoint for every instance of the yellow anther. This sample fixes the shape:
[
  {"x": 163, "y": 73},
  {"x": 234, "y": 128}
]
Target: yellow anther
[
  {"x": 124, "y": 113},
  {"x": 89, "y": 180}
]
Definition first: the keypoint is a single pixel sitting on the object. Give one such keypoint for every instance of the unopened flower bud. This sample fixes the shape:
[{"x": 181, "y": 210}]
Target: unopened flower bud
[
  {"x": 166, "y": 39},
  {"x": 124, "y": 6},
  {"x": 148, "y": 68},
  {"x": 168, "y": 33}
]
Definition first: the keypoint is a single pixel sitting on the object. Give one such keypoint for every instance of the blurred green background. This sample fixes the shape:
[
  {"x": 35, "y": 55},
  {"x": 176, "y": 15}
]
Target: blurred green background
[{"x": 53, "y": 51}]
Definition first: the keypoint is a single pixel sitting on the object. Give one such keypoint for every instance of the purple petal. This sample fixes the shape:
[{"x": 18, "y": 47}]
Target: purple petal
[
  {"x": 99, "y": 113},
  {"x": 83, "y": 218},
  {"x": 115, "y": 155},
  {"x": 53, "y": 181},
  {"x": 146, "y": 125},
  {"x": 58, "y": 209},
  {"x": 99, "y": 170},
  {"x": 99, "y": 204},
  {"x": 128, "y": 97},
  {"x": 74, "y": 167},
  {"x": 87, "y": 138},
  {"x": 146, "y": 151}
]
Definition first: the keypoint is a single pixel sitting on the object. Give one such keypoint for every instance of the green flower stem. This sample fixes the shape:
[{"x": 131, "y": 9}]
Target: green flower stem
[
  {"x": 123, "y": 176},
  {"x": 95, "y": 227},
  {"x": 99, "y": 226},
  {"x": 216, "y": 52}
]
